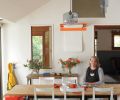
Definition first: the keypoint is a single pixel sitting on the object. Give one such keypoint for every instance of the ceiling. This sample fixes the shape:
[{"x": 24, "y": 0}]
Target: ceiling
[{"x": 14, "y": 10}]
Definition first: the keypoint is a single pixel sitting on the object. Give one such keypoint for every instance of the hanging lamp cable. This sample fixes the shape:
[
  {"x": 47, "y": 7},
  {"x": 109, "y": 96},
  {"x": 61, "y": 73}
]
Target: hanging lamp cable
[{"x": 70, "y": 12}]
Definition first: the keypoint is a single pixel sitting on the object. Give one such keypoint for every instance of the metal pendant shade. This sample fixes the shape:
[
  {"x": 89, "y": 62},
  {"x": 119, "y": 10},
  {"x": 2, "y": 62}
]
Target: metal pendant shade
[{"x": 70, "y": 17}]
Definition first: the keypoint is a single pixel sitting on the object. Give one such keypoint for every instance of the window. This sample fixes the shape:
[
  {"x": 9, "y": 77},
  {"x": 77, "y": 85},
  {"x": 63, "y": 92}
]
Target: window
[
  {"x": 37, "y": 47},
  {"x": 41, "y": 44},
  {"x": 116, "y": 40}
]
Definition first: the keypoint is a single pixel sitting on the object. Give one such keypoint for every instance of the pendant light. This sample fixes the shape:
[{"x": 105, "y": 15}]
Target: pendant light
[{"x": 70, "y": 17}]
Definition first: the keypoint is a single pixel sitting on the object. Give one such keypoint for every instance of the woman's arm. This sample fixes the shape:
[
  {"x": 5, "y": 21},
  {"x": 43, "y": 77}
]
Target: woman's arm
[
  {"x": 84, "y": 77},
  {"x": 101, "y": 76}
]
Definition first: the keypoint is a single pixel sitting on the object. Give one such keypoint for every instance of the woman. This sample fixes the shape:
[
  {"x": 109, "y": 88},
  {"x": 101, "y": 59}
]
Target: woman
[{"x": 94, "y": 73}]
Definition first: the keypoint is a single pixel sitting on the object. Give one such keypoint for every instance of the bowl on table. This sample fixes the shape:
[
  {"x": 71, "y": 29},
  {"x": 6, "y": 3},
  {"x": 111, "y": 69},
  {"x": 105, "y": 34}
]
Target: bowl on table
[{"x": 72, "y": 85}]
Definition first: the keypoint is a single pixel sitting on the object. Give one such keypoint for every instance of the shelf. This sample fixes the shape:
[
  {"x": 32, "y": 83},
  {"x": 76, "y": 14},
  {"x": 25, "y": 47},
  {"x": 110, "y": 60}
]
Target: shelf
[{"x": 73, "y": 27}]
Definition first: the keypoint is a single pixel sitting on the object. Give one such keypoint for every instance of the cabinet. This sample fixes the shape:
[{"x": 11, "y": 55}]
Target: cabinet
[{"x": 36, "y": 76}]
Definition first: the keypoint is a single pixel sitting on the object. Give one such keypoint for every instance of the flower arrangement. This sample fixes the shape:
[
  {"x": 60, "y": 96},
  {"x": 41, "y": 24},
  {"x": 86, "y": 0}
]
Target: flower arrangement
[
  {"x": 69, "y": 63},
  {"x": 34, "y": 64}
]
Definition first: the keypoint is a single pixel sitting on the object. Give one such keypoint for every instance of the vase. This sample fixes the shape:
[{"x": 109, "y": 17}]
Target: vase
[
  {"x": 69, "y": 69},
  {"x": 35, "y": 71}
]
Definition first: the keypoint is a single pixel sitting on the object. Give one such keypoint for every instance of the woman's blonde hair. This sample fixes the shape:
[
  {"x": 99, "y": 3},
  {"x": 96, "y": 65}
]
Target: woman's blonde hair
[{"x": 97, "y": 60}]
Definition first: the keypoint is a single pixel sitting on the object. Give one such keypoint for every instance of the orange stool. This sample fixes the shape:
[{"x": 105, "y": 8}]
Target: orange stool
[{"x": 14, "y": 98}]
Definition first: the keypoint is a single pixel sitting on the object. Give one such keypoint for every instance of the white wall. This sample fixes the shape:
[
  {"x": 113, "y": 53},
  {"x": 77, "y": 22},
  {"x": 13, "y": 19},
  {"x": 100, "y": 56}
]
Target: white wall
[{"x": 17, "y": 37}]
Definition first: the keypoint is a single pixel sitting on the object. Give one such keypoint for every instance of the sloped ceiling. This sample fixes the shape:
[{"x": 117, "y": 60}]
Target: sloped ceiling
[{"x": 14, "y": 10}]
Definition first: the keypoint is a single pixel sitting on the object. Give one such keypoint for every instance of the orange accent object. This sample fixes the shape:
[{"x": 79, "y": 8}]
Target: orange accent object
[
  {"x": 57, "y": 85},
  {"x": 14, "y": 98},
  {"x": 76, "y": 27},
  {"x": 73, "y": 85},
  {"x": 85, "y": 87}
]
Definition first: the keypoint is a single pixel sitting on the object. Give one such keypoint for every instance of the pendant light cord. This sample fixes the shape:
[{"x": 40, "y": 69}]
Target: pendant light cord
[
  {"x": 71, "y": 5},
  {"x": 70, "y": 12}
]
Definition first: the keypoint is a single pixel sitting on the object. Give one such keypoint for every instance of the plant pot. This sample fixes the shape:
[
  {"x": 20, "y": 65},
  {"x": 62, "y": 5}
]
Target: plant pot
[
  {"x": 35, "y": 71},
  {"x": 69, "y": 69}
]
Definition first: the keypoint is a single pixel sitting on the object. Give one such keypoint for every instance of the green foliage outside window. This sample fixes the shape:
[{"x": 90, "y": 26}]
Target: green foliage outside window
[
  {"x": 37, "y": 47},
  {"x": 117, "y": 41}
]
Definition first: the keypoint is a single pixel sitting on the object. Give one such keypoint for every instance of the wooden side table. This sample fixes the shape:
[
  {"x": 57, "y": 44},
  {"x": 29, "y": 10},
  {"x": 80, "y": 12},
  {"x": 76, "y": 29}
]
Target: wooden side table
[{"x": 36, "y": 76}]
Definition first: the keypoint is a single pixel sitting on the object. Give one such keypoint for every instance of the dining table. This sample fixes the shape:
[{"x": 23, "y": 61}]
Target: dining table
[{"x": 28, "y": 91}]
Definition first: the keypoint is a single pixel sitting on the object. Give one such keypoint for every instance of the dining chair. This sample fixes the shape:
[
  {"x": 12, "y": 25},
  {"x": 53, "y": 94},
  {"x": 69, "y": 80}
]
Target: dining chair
[
  {"x": 44, "y": 90},
  {"x": 68, "y": 80},
  {"x": 46, "y": 80},
  {"x": 104, "y": 90},
  {"x": 74, "y": 90}
]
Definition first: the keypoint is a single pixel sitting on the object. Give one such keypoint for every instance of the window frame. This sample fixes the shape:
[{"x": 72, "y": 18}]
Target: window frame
[
  {"x": 113, "y": 35},
  {"x": 42, "y": 29}
]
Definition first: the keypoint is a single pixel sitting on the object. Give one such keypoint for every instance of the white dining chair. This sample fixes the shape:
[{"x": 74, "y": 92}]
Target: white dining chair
[
  {"x": 105, "y": 90},
  {"x": 46, "y": 80},
  {"x": 68, "y": 80},
  {"x": 68, "y": 90},
  {"x": 47, "y": 90}
]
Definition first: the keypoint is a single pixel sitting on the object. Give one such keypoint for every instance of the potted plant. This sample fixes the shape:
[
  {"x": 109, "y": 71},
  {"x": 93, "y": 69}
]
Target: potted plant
[
  {"x": 69, "y": 63},
  {"x": 35, "y": 65}
]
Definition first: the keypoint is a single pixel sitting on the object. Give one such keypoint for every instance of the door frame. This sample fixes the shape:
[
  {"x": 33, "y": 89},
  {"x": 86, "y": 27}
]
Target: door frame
[
  {"x": 52, "y": 41},
  {"x": 1, "y": 90}
]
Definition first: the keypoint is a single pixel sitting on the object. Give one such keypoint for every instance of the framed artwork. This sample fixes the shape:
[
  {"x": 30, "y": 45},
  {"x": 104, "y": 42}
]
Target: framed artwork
[{"x": 73, "y": 41}]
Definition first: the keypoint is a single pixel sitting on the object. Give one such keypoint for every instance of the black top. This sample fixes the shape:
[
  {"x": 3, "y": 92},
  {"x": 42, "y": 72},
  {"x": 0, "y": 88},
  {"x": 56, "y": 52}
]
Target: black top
[{"x": 92, "y": 75}]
